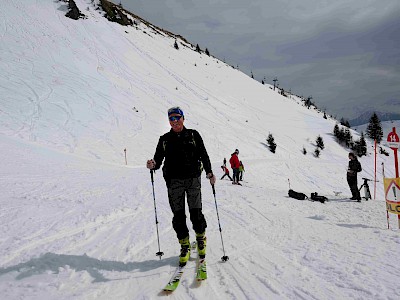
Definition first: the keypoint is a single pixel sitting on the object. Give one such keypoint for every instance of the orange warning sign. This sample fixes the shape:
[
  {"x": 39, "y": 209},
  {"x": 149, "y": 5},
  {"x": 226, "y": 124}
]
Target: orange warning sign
[{"x": 392, "y": 195}]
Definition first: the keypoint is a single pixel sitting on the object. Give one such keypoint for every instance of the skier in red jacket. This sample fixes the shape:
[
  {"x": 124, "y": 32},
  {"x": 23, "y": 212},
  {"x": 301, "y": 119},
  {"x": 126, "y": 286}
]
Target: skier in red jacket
[
  {"x": 226, "y": 173},
  {"x": 234, "y": 161}
]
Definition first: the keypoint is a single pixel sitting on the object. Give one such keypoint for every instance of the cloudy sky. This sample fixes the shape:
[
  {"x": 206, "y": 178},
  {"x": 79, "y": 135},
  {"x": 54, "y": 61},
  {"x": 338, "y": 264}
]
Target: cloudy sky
[{"x": 343, "y": 53}]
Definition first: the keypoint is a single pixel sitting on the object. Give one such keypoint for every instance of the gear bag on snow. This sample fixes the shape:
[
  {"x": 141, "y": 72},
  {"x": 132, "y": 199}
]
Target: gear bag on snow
[
  {"x": 296, "y": 195},
  {"x": 316, "y": 197}
]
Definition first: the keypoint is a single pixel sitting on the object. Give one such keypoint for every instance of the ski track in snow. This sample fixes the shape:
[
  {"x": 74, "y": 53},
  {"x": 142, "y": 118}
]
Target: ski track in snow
[
  {"x": 80, "y": 233},
  {"x": 76, "y": 223}
]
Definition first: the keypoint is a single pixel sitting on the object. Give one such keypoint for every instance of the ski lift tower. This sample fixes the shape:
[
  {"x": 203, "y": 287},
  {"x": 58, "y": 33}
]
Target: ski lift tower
[{"x": 275, "y": 80}]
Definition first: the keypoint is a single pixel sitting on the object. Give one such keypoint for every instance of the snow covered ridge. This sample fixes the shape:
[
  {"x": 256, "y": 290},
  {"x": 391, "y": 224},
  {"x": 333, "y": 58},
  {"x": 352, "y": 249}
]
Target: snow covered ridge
[
  {"x": 92, "y": 87},
  {"x": 116, "y": 13},
  {"x": 77, "y": 223}
]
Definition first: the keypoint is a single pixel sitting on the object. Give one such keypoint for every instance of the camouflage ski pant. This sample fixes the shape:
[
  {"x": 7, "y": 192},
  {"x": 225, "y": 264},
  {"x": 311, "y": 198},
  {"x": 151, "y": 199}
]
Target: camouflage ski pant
[{"x": 177, "y": 190}]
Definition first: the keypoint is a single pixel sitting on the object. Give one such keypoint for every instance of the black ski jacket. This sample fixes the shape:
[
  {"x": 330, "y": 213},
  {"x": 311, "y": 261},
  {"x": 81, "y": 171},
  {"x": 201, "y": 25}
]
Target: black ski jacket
[
  {"x": 354, "y": 167},
  {"x": 185, "y": 155}
]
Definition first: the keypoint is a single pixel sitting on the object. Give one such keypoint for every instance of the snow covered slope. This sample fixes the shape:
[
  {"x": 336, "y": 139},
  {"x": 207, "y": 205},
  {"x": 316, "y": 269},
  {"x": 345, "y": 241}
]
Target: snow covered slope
[{"x": 77, "y": 223}]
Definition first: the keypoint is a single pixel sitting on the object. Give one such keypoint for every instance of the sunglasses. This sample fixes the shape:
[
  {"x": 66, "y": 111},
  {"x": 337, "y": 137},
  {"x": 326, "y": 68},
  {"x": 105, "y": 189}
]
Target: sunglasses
[{"x": 174, "y": 118}]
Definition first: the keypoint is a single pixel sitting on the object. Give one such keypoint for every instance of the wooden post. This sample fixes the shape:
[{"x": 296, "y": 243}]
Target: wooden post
[{"x": 126, "y": 162}]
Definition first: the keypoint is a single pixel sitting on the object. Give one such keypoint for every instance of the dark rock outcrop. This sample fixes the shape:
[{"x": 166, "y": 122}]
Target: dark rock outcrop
[{"x": 74, "y": 12}]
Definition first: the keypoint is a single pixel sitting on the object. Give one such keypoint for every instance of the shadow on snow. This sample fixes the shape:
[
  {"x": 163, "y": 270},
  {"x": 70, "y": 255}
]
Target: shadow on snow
[{"x": 53, "y": 262}]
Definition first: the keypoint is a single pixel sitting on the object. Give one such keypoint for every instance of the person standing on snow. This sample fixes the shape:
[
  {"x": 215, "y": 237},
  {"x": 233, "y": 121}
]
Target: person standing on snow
[
  {"x": 226, "y": 173},
  {"x": 241, "y": 170},
  {"x": 234, "y": 161},
  {"x": 185, "y": 154},
  {"x": 352, "y": 170}
]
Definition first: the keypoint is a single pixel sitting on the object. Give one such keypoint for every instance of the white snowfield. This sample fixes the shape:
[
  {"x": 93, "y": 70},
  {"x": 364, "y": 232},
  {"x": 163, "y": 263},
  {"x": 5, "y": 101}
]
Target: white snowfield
[{"x": 76, "y": 222}]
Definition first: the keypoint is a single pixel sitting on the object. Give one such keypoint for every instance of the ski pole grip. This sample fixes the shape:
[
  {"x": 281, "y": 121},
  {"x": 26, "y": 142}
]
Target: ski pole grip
[
  {"x": 213, "y": 188},
  {"x": 151, "y": 174}
]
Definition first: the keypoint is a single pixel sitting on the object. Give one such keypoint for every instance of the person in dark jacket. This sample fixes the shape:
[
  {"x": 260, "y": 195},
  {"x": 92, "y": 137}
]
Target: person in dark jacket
[
  {"x": 184, "y": 156},
  {"x": 352, "y": 170}
]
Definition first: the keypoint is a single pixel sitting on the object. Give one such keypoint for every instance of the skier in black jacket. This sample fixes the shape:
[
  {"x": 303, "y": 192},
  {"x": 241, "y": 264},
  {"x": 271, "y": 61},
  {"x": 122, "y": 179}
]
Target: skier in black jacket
[
  {"x": 185, "y": 157},
  {"x": 352, "y": 170}
]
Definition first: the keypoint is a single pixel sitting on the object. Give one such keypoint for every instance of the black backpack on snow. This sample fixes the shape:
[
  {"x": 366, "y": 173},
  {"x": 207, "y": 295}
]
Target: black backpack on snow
[
  {"x": 316, "y": 197},
  {"x": 296, "y": 195}
]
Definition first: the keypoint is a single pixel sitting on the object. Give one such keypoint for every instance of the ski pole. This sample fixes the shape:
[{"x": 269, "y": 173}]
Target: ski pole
[
  {"x": 224, "y": 258},
  {"x": 159, "y": 253}
]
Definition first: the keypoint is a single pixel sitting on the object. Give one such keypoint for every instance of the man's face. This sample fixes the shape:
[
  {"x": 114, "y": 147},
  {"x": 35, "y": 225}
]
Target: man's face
[{"x": 176, "y": 122}]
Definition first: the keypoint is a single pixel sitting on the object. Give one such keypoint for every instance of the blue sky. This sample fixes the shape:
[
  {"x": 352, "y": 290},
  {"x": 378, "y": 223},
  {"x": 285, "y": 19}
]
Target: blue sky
[{"x": 345, "y": 54}]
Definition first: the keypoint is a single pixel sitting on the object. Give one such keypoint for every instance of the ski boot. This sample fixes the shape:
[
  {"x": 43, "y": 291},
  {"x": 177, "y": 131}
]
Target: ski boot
[
  {"x": 201, "y": 244},
  {"x": 185, "y": 251}
]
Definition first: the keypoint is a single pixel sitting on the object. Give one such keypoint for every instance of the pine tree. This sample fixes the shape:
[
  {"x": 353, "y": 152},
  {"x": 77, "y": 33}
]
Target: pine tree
[
  {"x": 198, "y": 48},
  {"x": 308, "y": 102},
  {"x": 320, "y": 142},
  {"x": 317, "y": 152},
  {"x": 341, "y": 136},
  {"x": 208, "y": 53},
  {"x": 362, "y": 146},
  {"x": 374, "y": 129},
  {"x": 304, "y": 151},
  {"x": 176, "y": 45},
  {"x": 271, "y": 143},
  {"x": 348, "y": 138},
  {"x": 336, "y": 131},
  {"x": 345, "y": 123},
  {"x": 325, "y": 117}
]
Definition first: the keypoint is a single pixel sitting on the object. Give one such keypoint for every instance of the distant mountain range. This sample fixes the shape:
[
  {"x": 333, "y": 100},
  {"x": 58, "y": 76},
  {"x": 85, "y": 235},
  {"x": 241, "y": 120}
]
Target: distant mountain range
[{"x": 364, "y": 118}]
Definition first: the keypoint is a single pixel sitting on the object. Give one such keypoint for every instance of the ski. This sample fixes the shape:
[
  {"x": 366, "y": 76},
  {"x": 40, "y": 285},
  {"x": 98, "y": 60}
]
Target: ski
[
  {"x": 201, "y": 273},
  {"x": 201, "y": 266},
  {"x": 175, "y": 279}
]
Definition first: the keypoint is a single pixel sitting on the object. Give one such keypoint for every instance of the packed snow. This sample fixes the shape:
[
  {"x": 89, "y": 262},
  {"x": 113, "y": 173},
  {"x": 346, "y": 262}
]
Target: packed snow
[{"x": 78, "y": 220}]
